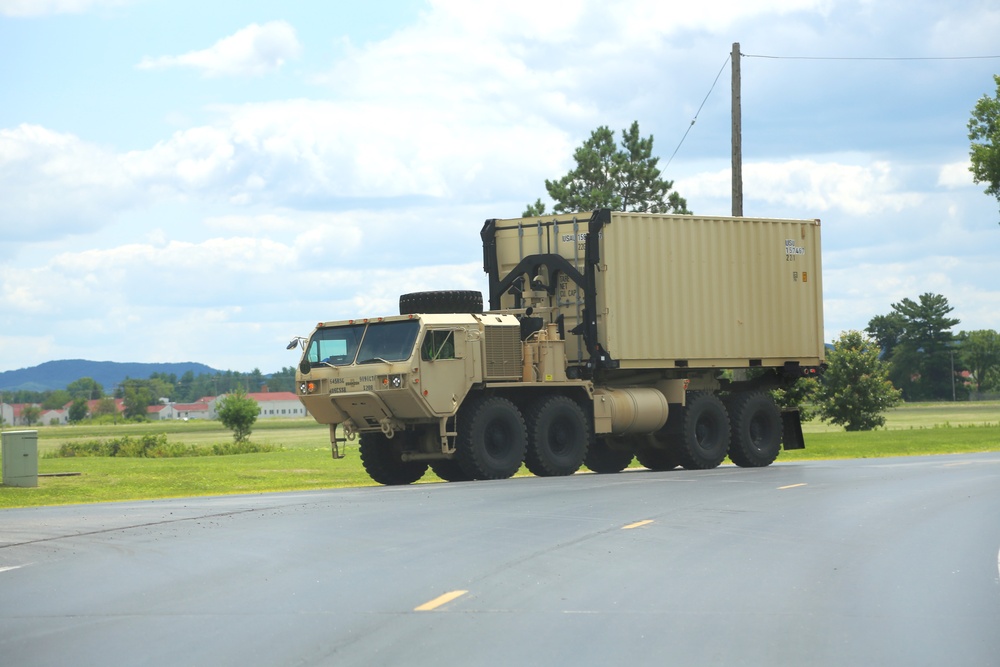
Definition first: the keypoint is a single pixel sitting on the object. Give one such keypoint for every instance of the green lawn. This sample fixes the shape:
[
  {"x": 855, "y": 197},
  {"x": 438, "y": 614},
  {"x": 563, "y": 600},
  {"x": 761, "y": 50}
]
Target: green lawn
[{"x": 305, "y": 461}]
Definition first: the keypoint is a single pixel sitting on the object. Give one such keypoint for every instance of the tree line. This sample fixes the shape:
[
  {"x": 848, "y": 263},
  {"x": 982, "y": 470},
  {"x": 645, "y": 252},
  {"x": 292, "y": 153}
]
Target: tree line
[
  {"x": 910, "y": 353},
  {"x": 138, "y": 394}
]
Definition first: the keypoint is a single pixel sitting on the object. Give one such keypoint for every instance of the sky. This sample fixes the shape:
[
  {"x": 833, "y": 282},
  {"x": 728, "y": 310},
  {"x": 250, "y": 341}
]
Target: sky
[{"x": 193, "y": 181}]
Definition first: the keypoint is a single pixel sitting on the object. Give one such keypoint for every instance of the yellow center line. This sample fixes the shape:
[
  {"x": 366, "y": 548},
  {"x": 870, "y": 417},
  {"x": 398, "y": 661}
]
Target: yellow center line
[
  {"x": 440, "y": 600},
  {"x": 791, "y": 486},
  {"x": 637, "y": 524}
]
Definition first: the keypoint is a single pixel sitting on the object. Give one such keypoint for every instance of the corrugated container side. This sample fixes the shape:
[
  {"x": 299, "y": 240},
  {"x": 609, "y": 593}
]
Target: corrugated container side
[
  {"x": 709, "y": 291},
  {"x": 684, "y": 290}
]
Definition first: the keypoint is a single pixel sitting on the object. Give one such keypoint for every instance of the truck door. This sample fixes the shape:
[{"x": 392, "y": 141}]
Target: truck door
[{"x": 443, "y": 378}]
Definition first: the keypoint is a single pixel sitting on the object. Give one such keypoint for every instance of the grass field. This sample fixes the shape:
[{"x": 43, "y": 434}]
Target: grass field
[{"x": 305, "y": 461}]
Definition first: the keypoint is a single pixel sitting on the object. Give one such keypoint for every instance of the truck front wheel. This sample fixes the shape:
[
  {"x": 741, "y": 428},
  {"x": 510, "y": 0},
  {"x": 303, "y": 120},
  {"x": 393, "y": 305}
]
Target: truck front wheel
[
  {"x": 382, "y": 459},
  {"x": 705, "y": 432},
  {"x": 449, "y": 470},
  {"x": 756, "y": 429},
  {"x": 558, "y": 433},
  {"x": 609, "y": 454},
  {"x": 658, "y": 453},
  {"x": 492, "y": 438}
]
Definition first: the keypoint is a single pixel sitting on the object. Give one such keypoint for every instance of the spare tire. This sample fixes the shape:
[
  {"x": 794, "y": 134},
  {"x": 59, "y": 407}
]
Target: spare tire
[{"x": 441, "y": 302}]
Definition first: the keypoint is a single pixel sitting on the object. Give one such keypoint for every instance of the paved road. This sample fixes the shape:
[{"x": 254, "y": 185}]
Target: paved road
[{"x": 878, "y": 562}]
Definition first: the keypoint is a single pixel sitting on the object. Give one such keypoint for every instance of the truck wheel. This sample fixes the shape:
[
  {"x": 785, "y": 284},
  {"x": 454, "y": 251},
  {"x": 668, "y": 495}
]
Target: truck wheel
[
  {"x": 492, "y": 439},
  {"x": 608, "y": 454},
  {"x": 756, "y": 429},
  {"x": 383, "y": 461},
  {"x": 444, "y": 301},
  {"x": 449, "y": 470},
  {"x": 704, "y": 433},
  {"x": 558, "y": 432},
  {"x": 658, "y": 453}
]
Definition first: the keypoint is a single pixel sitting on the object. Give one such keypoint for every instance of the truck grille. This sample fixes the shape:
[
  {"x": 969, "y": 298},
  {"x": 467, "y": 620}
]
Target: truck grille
[{"x": 503, "y": 353}]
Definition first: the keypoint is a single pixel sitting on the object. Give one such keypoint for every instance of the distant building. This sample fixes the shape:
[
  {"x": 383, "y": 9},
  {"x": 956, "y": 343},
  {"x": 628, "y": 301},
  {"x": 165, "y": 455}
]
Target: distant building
[
  {"x": 6, "y": 414},
  {"x": 53, "y": 417},
  {"x": 273, "y": 404},
  {"x": 200, "y": 409},
  {"x": 278, "y": 404}
]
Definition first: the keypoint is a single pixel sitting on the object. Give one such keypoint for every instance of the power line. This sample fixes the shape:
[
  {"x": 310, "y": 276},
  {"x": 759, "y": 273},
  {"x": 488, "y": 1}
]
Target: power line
[
  {"x": 752, "y": 55},
  {"x": 693, "y": 120}
]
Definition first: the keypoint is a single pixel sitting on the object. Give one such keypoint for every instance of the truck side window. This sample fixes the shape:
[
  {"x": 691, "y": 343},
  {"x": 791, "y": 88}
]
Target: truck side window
[{"x": 438, "y": 345}]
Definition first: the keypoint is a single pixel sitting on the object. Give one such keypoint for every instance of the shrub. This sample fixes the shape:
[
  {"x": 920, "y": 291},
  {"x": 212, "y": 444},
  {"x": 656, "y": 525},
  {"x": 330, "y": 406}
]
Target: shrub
[{"x": 153, "y": 446}]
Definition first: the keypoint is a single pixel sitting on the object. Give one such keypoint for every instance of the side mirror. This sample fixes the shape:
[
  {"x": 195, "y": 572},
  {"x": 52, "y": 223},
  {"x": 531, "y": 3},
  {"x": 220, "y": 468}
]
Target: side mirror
[
  {"x": 292, "y": 345},
  {"x": 304, "y": 366}
]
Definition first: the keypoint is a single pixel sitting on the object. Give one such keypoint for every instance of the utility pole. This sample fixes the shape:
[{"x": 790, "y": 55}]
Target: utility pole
[{"x": 737, "y": 136}]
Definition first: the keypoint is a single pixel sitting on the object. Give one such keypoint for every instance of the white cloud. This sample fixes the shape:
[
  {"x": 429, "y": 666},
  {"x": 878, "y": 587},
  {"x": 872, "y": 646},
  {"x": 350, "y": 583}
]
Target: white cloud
[
  {"x": 810, "y": 185},
  {"x": 251, "y": 51},
  {"x": 220, "y": 240},
  {"x": 46, "y": 7},
  {"x": 955, "y": 175},
  {"x": 52, "y": 183}
]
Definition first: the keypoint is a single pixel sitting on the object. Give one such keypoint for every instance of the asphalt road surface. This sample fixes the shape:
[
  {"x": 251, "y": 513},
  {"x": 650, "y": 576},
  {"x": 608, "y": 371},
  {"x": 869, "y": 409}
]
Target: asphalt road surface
[{"x": 876, "y": 562}]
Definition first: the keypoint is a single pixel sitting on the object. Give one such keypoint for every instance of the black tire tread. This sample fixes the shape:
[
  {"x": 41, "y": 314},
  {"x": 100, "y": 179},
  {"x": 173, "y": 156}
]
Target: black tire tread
[
  {"x": 658, "y": 454},
  {"x": 538, "y": 459},
  {"x": 441, "y": 302},
  {"x": 474, "y": 420},
  {"x": 691, "y": 453},
  {"x": 381, "y": 458},
  {"x": 604, "y": 457},
  {"x": 743, "y": 451}
]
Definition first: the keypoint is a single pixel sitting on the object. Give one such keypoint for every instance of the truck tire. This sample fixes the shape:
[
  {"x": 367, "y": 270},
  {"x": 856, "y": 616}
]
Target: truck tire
[
  {"x": 756, "y": 429},
  {"x": 608, "y": 454},
  {"x": 658, "y": 453},
  {"x": 558, "y": 434},
  {"x": 383, "y": 461},
  {"x": 704, "y": 440},
  {"x": 492, "y": 438},
  {"x": 449, "y": 470},
  {"x": 444, "y": 301}
]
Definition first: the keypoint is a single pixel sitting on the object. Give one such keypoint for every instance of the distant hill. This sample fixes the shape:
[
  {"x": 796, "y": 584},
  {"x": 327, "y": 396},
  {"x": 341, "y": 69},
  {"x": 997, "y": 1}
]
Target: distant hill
[{"x": 58, "y": 374}]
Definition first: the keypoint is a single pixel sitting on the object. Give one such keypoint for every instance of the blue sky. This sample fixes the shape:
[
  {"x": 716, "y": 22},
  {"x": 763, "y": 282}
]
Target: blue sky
[{"x": 190, "y": 181}]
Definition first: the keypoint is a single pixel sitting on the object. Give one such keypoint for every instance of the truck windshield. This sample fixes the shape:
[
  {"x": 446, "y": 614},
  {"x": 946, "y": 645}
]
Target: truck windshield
[
  {"x": 336, "y": 346},
  {"x": 366, "y": 343},
  {"x": 388, "y": 341}
]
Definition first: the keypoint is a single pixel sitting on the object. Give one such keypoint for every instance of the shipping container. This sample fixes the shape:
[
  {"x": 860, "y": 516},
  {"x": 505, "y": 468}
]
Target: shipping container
[{"x": 637, "y": 290}]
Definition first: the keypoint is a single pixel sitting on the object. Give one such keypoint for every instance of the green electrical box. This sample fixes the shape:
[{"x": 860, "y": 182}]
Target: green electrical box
[{"x": 20, "y": 458}]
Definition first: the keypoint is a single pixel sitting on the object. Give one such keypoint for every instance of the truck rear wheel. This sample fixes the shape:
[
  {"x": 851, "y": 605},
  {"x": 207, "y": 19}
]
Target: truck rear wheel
[
  {"x": 609, "y": 454},
  {"x": 756, "y": 429},
  {"x": 492, "y": 438},
  {"x": 382, "y": 459},
  {"x": 558, "y": 433},
  {"x": 705, "y": 432},
  {"x": 444, "y": 301}
]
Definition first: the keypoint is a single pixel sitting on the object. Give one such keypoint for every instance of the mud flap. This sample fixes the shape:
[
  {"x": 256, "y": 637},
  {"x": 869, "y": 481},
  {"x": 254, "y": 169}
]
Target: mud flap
[{"x": 791, "y": 422}]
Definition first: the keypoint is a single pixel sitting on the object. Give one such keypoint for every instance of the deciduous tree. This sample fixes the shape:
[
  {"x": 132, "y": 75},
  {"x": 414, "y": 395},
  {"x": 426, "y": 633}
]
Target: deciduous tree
[
  {"x": 238, "y": 412},
  {"x": 105, "y": 406},
  {"x": 984, "y": 135},
  {"x": 856, "y": 390},
  {"x": 56, "y": 400},
  {"x": 137, "y": 398},
  {"x": 30, "y": 414},
  {"x": 980, "y": 353},
  {"x": 86, "y": 388},
  {"x": 78, "y": 410}
]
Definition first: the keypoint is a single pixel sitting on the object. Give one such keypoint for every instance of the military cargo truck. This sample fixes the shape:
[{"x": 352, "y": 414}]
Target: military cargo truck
[{"x": 608, "y": 336}]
